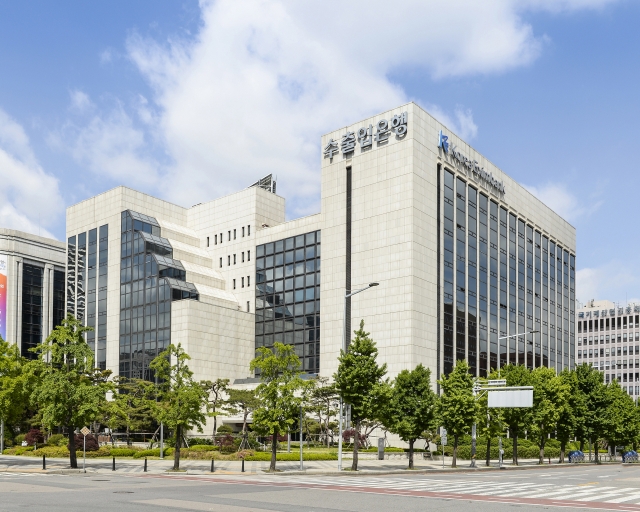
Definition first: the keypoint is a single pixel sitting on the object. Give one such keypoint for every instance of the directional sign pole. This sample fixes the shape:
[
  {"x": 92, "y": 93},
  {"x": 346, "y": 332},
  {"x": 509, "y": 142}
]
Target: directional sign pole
[{"x": 84, "y": 432}]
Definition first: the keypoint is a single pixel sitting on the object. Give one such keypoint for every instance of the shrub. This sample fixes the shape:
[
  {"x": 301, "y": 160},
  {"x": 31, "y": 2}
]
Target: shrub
[
  {"x": 225, "y": 429},
  {"x": 50, "y": 451},
  {"x": 155, "y": 452},
  {"x": 199, "y": 441},
  {"x": 226, "y": 444},
  {"x": 55, "y": 439},
  {"x": 18, "y": 439},
  {"x": 265, "y": 456},
  {"x": 103, "y": 451},
  {"x": 92, "y": 443},
  {"x": 123, "y": 452},
  {"x": 34, "y": 436},
  {"x": 203, "y": 448}
]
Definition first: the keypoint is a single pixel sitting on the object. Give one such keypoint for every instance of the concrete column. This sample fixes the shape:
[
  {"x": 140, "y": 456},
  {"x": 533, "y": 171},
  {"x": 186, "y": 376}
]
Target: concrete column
[
  {"x": 47, "y": 301},
  {"x": 17, "y": 285}
]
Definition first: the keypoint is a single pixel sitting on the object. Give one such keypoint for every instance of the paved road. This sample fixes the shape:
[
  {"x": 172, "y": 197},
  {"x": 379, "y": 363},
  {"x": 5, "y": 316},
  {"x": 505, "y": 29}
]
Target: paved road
[{"x": 590, "y": 487}]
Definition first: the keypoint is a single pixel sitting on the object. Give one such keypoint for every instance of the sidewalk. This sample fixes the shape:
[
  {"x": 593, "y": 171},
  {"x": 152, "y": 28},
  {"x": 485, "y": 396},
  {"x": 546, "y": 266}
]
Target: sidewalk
[{"x": 14, "y": 464}]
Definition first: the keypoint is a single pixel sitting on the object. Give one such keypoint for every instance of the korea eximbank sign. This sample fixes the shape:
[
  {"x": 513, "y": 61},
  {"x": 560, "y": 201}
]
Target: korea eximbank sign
[{"x": 469, "y": 165}]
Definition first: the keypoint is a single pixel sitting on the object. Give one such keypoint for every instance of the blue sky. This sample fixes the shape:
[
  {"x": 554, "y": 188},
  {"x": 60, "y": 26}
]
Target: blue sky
[{"x": 189, "y": 101}]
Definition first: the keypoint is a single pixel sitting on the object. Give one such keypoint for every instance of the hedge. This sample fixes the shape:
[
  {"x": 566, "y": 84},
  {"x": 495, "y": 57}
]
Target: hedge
[{"x": 292, "y": 457}]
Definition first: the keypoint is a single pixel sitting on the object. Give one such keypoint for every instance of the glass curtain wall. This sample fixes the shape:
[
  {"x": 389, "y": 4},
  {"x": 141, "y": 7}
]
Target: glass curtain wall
[
  {"x": 92, "y": 264},
  {"x": 288, "y": 297},
  {"x": 58, "y": 297},
  {"x": 483, "y": 292},
  {"x": 448, "y": 272},
  {"x": 32, "y": 293},
  {"x": 81, "y": 276},
  {"x": 71, "y": 275},
  {"x": 505, "y": 275},
  {"x": 146, "y": 294},
  {"x": 461, "y": 264},
  {"x": 103, "y": 266}
]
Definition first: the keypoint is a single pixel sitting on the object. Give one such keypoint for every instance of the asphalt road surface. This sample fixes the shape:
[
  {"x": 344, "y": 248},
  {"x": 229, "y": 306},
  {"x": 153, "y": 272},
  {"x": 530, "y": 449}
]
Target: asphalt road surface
[{"x": 609, "y": 487}]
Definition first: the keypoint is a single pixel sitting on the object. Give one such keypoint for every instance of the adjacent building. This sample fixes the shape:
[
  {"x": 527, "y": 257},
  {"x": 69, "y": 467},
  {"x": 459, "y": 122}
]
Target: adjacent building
[
  {"x": 609, "y": 340},
  {"x": 32, "y": 288},
  {"x": 470, "y": 264}
]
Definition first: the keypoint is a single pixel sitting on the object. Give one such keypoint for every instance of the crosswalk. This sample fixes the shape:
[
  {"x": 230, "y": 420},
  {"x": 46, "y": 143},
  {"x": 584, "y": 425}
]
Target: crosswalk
[{"x": 479, "y": 488}]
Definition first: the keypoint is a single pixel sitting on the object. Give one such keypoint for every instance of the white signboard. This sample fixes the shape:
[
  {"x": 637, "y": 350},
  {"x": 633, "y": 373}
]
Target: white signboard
[{"x": 511, "y": 398}]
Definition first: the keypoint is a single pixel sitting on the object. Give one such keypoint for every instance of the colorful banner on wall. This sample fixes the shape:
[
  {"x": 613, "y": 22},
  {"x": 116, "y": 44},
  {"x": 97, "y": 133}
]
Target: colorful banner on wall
[{"x": 3, "y": 296}]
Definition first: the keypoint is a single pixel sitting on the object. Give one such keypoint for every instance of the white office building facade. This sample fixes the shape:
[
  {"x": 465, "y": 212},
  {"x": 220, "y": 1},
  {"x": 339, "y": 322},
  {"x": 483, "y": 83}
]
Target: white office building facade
[
  {"x": 464, "y": 258},
  {"x": 609, "y": 340}
]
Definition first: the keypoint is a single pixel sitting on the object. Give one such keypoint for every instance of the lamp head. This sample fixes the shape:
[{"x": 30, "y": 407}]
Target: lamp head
[{"x": 373, "y": 284}]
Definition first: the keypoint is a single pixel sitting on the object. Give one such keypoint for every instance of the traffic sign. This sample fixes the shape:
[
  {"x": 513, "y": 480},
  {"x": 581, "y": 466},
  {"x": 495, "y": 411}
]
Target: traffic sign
[{"x": 85, "y": 431}]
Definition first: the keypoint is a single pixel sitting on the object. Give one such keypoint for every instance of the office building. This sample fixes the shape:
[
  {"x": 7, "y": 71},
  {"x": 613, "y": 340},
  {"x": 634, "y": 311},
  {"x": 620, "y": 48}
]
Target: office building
[
  {"x": 609, "y": 340},
  {"x": 32, "y": 288},
  {"x": 464, "y": 256}
]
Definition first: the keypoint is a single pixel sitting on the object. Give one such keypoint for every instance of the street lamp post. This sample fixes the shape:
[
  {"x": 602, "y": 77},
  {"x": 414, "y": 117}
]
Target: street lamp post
[
  {"x": 474, "y": 429},
  {"x": 344, "y": 348}
]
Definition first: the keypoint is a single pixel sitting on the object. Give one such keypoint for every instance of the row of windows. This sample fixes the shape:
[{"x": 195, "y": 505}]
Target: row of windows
[
  {"x": 235, "y": 260},
  {"x": 621, "y": 338},
  {"x": 605, "y": 352},
  {"x": 608, "y": 323},
  {"x": 242, "y": 281},
  {"x": 229, "y": 233}
]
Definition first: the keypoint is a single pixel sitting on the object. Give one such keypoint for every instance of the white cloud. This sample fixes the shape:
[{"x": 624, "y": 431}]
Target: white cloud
[
  {"x": 108, "y": 144},
  {"x": 253, "y": 91},
  {"x": 616, "y": 280},
  {"x": 558, "y": 197},
  {"x": 29, "y": 197}
]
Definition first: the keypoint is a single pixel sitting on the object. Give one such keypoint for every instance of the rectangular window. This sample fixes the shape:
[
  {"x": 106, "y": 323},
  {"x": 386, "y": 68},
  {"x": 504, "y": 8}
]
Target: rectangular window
[
  {"x": 234, "y": 259},
  {"x": 248, "y": 230},
  {"x": 220, "y": 262},
  {"x": 242, "y": 256},
  {"x": 215, "y": 239},
  {"x": 234, "y": 234},
  {"x": 248, "y": 307},
  {"x": 229, "y": 236},
  {"x": 234, "y": 284},
  {"x": 228, "y": 261},
  {"x": 243, "y": 282},
  {"x": 207, "y": 241},
  {"x": 242, "y": 231},
  {"x": 248, "y": 281},
  {"x": 248, "y": 255},
  {"x": 220, "y": 237}
]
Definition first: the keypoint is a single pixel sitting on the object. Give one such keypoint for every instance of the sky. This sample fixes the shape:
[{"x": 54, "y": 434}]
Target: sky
[{"x": 192, "y": 100}]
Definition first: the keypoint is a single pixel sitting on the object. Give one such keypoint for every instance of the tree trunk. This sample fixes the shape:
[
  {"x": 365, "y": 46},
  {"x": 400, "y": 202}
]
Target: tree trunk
[
  {"x": 73, "y": 460},
  {"x": 563, "y": 447},
  {"x": 582, "y": 445},
  {"x": 488, "y": 459},
  {"x": 595, "y": 449},
  {"x": 128, "y": 437},
  {"x": 411, "y": 453},
  {"x": 176, "y": 451},
  {"x": 541, "y": 456},
  {"x": 215, "y": 427},
  {"x": 354, "y": 464},
  {"x": 455, "y": 452},
  {"x": 274, "y": 449},
  {"x": 515, "y": 448}
]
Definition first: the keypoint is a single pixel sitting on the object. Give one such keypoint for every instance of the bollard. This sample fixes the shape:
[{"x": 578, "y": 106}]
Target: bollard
[
  {"x": 113, "y": 467},
  {"x": 243, "y": 465},
  {"x": 212, "y": 468},
  {"x": 44, "y": 462},
  {"x": 145, "y": 464}
]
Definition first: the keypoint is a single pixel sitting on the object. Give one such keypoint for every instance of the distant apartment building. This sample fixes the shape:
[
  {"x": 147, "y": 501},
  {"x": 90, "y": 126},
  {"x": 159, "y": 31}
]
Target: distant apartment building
[{"x": 609, "y": 340}]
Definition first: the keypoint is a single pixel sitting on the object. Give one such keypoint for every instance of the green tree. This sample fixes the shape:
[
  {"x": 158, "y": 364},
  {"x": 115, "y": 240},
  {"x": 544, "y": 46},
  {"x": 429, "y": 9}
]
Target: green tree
[
  {"x": 324, "y": 402},
  {"x": 516, "y": 418},
  {"x": 14, "y": 384},
  {"x": 597, "y": 400},
  {"x": 570, "y": 416},
  {"x": 69, "y": 390},
  {"x": 411, "y": 408},
  {"x": 550, "y": 398},
  {"x": 242, "y": 401},
  {"x": 622, "y": 424},
  {"x": 457, "y": 408},
  {"x": 359, "y": 381},
  {"x": 279, "y": 406},
  {"x": 181, "y": 400},
  {"x": 216, "y": 390},
  {"x": 131, "y": 405}
]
